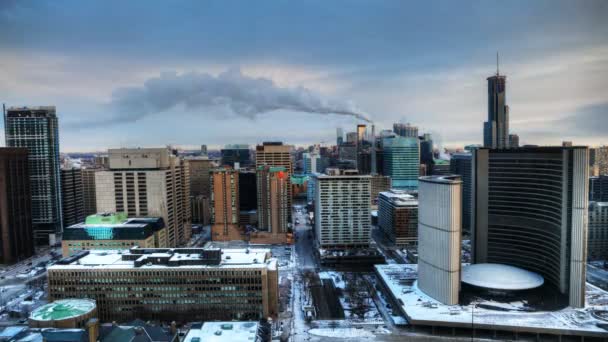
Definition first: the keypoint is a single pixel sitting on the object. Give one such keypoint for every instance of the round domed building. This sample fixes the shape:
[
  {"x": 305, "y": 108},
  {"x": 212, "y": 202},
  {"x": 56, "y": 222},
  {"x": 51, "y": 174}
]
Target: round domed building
[{"x": 64, "y": 313}]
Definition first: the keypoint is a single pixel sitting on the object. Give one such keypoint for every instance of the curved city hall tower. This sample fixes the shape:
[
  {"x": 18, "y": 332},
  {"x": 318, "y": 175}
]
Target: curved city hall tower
[
  {"x": 530, "y": 211},
  {"x": 439, "y": 234}
]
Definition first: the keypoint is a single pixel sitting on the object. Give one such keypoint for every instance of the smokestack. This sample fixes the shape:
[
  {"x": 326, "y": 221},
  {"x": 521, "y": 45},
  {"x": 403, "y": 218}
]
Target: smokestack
[{"x": 373, "y": 150}]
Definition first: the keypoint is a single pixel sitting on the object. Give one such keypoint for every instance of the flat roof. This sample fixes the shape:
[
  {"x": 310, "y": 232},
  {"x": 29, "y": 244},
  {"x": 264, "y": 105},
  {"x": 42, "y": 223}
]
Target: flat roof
[
  {"x": 444, "y": 179},
  {"x": 230, "y": 258},
  {"x": 224, "y": 332},
  {"x": 501, "y": 277},
  {"x": 63, "y": 309}
]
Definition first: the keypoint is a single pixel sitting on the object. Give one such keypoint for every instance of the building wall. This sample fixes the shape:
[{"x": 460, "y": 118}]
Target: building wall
[
  {"x": 69, "y": 247},
  {"x": 199, "y": 177},
  {"x": 273, "y": 210},
  {"x": 379, "y": 183},
  {"x": 598, "y": 188},
  {"x": 401, "y": 161},
  {"x": 342, "y": 211},
  {"x": 43, "y": 152},
  {"x": 72, "y": 197},
  {"x": 16, "y": 233},
  {"x": 276, "y": 155},
  {"x": 225, "y": 208},
  {"x": 461, "y": 164},
  {"x": 399, "y": 221},
  {"x": 89, "y": 192},
  {"x": 439, "y": 230},
  {"x": 597, "y": 246}
]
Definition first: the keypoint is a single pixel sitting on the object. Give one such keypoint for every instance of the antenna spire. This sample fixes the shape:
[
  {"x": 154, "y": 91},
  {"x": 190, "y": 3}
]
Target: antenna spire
[{"x": 497, "y": 69}]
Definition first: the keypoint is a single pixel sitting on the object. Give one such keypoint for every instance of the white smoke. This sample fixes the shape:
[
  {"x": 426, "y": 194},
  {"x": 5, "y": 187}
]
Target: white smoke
[{"x": 245, "y": 96}]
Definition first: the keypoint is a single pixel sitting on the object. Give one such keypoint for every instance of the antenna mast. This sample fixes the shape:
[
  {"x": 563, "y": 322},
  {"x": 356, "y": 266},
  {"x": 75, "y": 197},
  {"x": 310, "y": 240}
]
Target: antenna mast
[{"x": 497, "y": 69}]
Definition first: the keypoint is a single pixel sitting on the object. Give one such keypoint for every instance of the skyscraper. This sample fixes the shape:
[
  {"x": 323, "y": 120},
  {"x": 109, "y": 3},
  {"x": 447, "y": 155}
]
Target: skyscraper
[
  {"x": 36, "y": 129},
  {"x": 340, "y": 136},
  {"x": 148, "y": 182},
  {"x": 238, "y": 153},
  {"x": 598, "y": 188},
  {"x": 439, "y": 236},
  {"x": 89, "y": 191},
  {"x": 352, "y": 137},
  {"x": 16, "y": 235},
  {"x": 360, "y": 134},
  {"x": 461, "y": 164},
  {"x": 401, "y": 161},
  {"x": 276, "y": 154},
  {"x": 598, "y": 231},
  {"x": 496, "y": 129},
  {"x": 273, "y": 209},
  {"x": 199, "y": 176},
  {"x": 398, "y": 217},
  {"x": 225, "y": 206},
  {"x": 530, "y": 211},
  {"x": 72, "y": 197},
  {"x": 514, "y": 141},
  {"x": 405, "y": 130},
  {"x": 426, "y": 152}
]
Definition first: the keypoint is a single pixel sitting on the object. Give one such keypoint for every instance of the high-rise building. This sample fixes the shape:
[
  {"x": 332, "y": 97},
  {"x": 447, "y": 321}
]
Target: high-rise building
[
  {"x": 89, "y": 191},
  {"x": 237, "y": 153},
  {"x": 171, "y": 284},
  {"x": 201, "y": 209},
  {"x": 352, "y": 137},
  {"x": 530, "y": 211},
  {"x": 461, "y": 164},
  {"x": 405, "y": 130},
  {"x": 36, "y": 129},
  {"x": 273, "y": 209},
  {"x": 276, "y": 154},
  {"x": 72, "y": 196},
  {"x": 598, "y": 188},
  {"x": 398, "y": 217},
  {"x": 342, "y": 211},
  {"x": 347, "y": 151},
  {"x": 113, "y": 231},
  {"x": 360, "y": 134},
  {"x": 379, "y": 183},
  {"x": 601, "y": 160},
  {"x": 439, "y": 237},
  {"x": 311, "y": 162},
  {"x": 204, "y": 150},
  {"x": 401, "y": 161},
  {"x": 597, "y": 246},
  {"x": 496, "y": 129},
  {"x": 340, "y": 136},
  {"x": 514, "y": 141},
  {"x": 199, "y": 176},
  {"x": 248, "y": 198},
  {"x": 225, "y": 206},
  {"x": 148, "y": 182},
  {"x": 16, "y": 234}
]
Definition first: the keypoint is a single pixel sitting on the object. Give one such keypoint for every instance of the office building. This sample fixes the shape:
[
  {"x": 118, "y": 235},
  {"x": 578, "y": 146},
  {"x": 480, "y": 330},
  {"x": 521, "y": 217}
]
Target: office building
[
  {"x": 597, "y": 246},
  {"x": 248, "y": 199},
  {"x": 16, "y": 233},
  {"x": 342, "y": 210},
  {"x": 601, "y": 160},
  {"x": 441, "y": 167},
  {"x": 148, "y": 182},
  {"x": 496, "y": 129},
  {"x": 339, "y": 136},
  {"x": 379, "y": 183},
  {"x": 273, "y": 209},
  {"x": 180, "y": 284},
  {"x": 439, "y": 237},
  {"x": 236, "y": 153},
  {"x": 225, "y": 205},
  {"x": 461, "y": 164},
  {"x": 347, "y": 151},
  {"x": 401, "y": 161},
  {"x": 598, "y": 188},
  {"x": 514, "y": 141},
  {"x": 352, "y": 138},
  {"x": 201, "y": 209},
  {"x": 405, "y": 130},
  {"x": 72, "y": 196},
  {"x": 530, "y": 211},
  {"x": 313, "y": 162},
  {"x": 426, "y": 152},
  {"x": 279, "y": 155},
  {"x": 89, "y": 191},
  {"x": 361, "y": 130},
  {"x": 204, "y": 150},
  {"x": 113, "y": 231},
  {"x": 43, "y": 154},
  {"x": 227, "y": 332},
  {"x": 398, "y": 217},
  {"x": 199, "y": 176}
]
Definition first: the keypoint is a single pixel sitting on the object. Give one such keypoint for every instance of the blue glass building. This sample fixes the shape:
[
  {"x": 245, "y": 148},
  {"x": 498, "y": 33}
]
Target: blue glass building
[{"x": 402, "y": 161}]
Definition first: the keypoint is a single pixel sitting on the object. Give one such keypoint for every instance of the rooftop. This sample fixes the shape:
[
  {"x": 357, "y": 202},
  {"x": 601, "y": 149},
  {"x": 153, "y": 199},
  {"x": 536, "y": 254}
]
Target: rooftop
[
  {"x": 500, "y": 277},
  {"x": 63, "y": 309},
  {"x": 399, "y": 197},
  {"x": 224, "y": 332},
  {"x": 445, "y": 179}
]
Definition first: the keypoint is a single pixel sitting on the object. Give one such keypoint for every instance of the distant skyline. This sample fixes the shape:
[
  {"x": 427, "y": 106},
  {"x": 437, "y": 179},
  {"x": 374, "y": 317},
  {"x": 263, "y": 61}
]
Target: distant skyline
[{"x": 122, "y": 73}]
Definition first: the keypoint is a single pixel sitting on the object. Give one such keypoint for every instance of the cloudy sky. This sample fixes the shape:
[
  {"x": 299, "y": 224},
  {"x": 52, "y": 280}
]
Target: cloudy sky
[{"x": 151, "y": 73}]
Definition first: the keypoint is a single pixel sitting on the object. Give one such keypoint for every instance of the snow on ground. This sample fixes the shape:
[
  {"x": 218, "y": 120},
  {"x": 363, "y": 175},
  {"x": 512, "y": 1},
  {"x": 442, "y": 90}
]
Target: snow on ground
[{"x": 342, "y": 333}]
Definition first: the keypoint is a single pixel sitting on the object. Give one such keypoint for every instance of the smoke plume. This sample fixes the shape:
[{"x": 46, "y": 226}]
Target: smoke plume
[{"x": 245, "y": 96}]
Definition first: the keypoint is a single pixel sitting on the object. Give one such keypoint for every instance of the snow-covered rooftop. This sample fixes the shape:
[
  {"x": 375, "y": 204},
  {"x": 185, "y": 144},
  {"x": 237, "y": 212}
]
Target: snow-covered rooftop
[
  {"x": 224, "y": 332},
  {"x": 500, "y": 277}
]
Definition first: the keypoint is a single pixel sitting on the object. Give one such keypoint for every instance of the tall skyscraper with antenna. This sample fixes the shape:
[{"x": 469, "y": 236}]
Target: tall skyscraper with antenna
[{"x": 496, "y": 129}]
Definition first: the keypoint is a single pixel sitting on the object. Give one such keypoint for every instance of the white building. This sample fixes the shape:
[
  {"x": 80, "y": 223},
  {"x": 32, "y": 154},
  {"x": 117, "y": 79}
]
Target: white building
[
  {"x": 342, "y": 210},
  {"x": 147, "y": 182},
  {"x": 439, "y": 234}
]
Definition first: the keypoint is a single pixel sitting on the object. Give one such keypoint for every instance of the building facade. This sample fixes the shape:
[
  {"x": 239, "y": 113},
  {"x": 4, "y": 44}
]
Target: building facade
[
  {"x": 184, "y": 285},
  {"x": 72, "y": 196},
  {"x": 405, "y": 130},
  {"x": 342, "y": 211},
  {"x": 401, "y": 161},
  {"x": 114, "y": 231},
  {"x": 201, "y": 209},
  {"x": 16, "y": 233},
  {"x": 439, "y": 237},
  {"x": 199, "y": 176},
  {"x": 598, "y": 188},
  {"x": 36, "y": 129},
  {"x": 273, "y": 210},
  {"x": 276, "y": 154},
  {"x": 496, "y": 129},
  {"x": 398, "y": 217},
  {"x": 461, "y": 164},
  {"x": 89, "y": 191},
  {"x": 225, "y": 206},
  {"x": 530, "y": 208},
  {"x": 236, "y": 153},
  {"x": 379, "y": 183},
  {"x": 148, "y": 182},
  {"x": 597, "y": 246}
]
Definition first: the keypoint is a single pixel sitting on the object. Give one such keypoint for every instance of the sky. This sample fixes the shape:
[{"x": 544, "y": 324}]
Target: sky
[{"x": 186, "y": 73}]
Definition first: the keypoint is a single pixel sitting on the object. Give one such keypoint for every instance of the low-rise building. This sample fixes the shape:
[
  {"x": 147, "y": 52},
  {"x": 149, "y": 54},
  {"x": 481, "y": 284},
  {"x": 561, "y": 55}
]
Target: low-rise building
[
  {"x": 181, "y": 284},
  {"x": 225, "y": 332},
  {"x": 398, "y": 217},
  {"x": 114, "y": 231}
]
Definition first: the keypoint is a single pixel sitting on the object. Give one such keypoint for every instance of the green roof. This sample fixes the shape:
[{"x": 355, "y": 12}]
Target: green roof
[
  {"x": 106, "y": 218},
  {"x": 62, "y": 309}
]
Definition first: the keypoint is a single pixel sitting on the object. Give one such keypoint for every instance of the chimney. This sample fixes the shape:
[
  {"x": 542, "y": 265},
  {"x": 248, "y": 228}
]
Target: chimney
[
  {"x": 373, "y": 169},
  {"x": 93, "y": 329}
]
